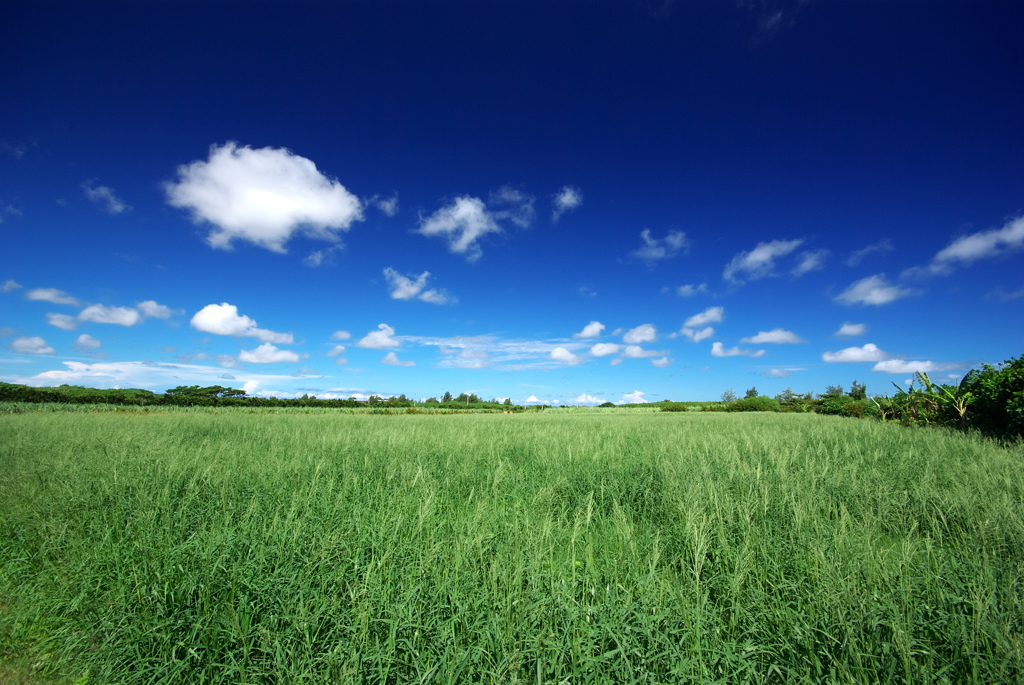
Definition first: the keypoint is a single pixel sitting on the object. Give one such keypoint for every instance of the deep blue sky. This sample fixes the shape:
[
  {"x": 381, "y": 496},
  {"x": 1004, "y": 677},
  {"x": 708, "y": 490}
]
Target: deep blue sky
[{"x": 878, "y": 144}]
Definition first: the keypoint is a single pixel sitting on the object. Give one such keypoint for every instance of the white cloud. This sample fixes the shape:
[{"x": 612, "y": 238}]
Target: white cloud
[
  {"x": 463, "y": 222},
  {"x": 779, "y": 373},
  {"x": 709, "y": 315},
  {"x": 104, "y": 198},
  {"x": 690, "y": 290},
  {"x": 470, "y": 358},
  {"x": 867, "y": 353},
  {"x": 32, "y": 345},
  {"x": 584, "y": 398},
  {"x": 591, "y": 330},
  {"x": 514, "y": 205},
  {"x": 900, "y": 366},
  {"x": 153, "y": 310},
  {"x": 884, "y": 246},
  {"x": 604, "y": 349},
  {"x": 263, "y": 196},
  {"x": 654, "y": 249},
  {"x": 560, "y": 354},
  {"x": 340, "y": 335},
  {"x": 760, "y": 261},
  {"x": 9, "y": 285},
  {"x": 874, "y": 290},
  {"x": 379, "y": 339},
  {"x": 849, "y": 330},
  {"x": 404, "y": 288},
  {"x": 697, "y": 336},
  {"x": 85, "y": 343},
  {"x": 635, "y": 397},
  {"x": 532, "y": 399},
  {"x": 810, "y": 261},
  {"x": 719, "y": 350},
  {"x": 637, "y": 352},
  {"x": 661, "y": 363},
  {"x": 641, "y": 334},
  {"x": 224, "y": 319},
  {"x": 121, "y": 316},
  {"x": 391, "y": 359},
  {"x": 1007, "y": 296},
  {"x": 62, "y": 321},
  {"x": 778, "y": 336},
  {"x": 567, "y": 199},
  {"x": 267, "y": 354},
  {"x": 52, "y": 295},
  {"x": 615, "y": 362},
  {"x": 336, "y": 350},
  {"x": 322, "y": 257},
  {"x": 387, "y": 206},
  {"x": 981, "y": 245}
]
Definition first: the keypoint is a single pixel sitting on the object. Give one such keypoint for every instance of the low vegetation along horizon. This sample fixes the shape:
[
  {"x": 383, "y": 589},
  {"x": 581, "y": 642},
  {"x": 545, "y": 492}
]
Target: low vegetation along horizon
[{"x": 268, "y": 545}]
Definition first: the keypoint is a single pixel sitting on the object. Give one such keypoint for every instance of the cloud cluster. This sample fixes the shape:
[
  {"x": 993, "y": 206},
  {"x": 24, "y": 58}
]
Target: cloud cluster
[
  {"x": 98, "y": 313},
  {"x": 867, "y": 353},
  {"x": 405, "y": 288},
  {"x": 690, "y": 290},
  {"x": 641, "y": 334},
  {"x": 654, "y": 249},
  {"x": 31, "y": 345},
  {"x": 224, "y": 319},
  {"x": 883, "y": 246},
  {"x": 591, "y": 330},
  {"x": 463, "y": 223},
  {"x": 391, "y": 359},
  {"x": 719, "y": 350},
  {"x": 709, "y": 315},
  {"x": 564, "y": 356},
  {"x": 9, "y": 285},
  {"x": 604, "y": 349},
  {"x": 380, "y": 339},
  {"x": 981, "y": 245},
  {"x": 850, "y": 330},
  {"x": 776, "y": 336},
  {"x": 51, "y": 295},
  {"x": 810, "y": 261},
  {"x": 267, "y": 353},
  {"x": 262, "y": 196},
  {"x": 104, "y": 198},
  {"x": 567, "y": 199}
]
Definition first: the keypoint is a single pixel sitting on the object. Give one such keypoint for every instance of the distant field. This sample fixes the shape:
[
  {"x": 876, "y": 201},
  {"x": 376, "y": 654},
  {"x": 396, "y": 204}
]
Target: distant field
[{"x": 236, "y": 546}]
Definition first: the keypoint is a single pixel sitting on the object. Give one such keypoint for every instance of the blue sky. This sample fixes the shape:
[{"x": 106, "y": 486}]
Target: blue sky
[{"x": 568, "y": 202}]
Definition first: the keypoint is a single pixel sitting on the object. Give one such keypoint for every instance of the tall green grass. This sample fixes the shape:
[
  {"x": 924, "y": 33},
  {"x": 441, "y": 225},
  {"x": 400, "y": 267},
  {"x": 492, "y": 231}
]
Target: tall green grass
[{"x": 231, "y": 547}]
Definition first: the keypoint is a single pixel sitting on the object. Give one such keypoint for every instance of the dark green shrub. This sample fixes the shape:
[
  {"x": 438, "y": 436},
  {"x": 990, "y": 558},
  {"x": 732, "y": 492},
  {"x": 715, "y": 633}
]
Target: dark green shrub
[
  {"x": 998, "y": 405},
  {"x": 835, "y": 404},
  {"x": 759, "y": 403}
]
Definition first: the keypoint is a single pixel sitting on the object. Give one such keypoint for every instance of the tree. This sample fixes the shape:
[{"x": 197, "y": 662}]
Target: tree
[
  {"x": 833, "y": 390},
  {"x": 447, "y": 397},
  {"x": 729, "y": 396},
  {"x": 751, "y": 392},
  {"x": 430, "y": 400},
  {"x": 508, "y": 402},
  {"x": 858, "y": 391},
  {"x": 786, "y": 396}
]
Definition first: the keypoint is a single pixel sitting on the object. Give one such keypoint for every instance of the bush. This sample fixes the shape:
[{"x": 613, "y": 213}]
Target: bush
[
  {"x": 998, "y": 405},
  {"x": 759, "y": 403},
  {"x": 835, "y": 404}
]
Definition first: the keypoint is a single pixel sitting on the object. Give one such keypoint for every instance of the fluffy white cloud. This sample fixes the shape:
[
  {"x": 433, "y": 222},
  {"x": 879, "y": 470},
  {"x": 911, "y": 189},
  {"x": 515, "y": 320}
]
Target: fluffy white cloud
[
  {"x": 560, "y": 354},
  {"x": 387, "y": 206},
  {"x": 690, "y": 290},
  {"x": 641, "y": 334},
  {"x": 532, "y": 399},
  {"x": 153, "y": 310},
  {"x": 591, "y": 330},
  {"x": 874, "y": 290},
  {"x": 637, "y": 352},
  {"x": 867, "y": 353},
  {"x": 604, "y": 349},
  {"x": 380, "y": 339},
  {"x": 584, "y": 398},
  {"x": 340, "y": 335},
  {"x": 900, "y": 366},
  {"x": 778, "y": 336},
  {"x": 810, "y": 261},
  {"x": 404, "y": 288},
  {"x": 719, "y": 350},
  {"x": 267, "y": 354},
  {"x": 981, "y": 245},
  {"x": 709, "y": 315},
  {"x": 104, "y": 198},
  {"x": 336, "y": 350},
  {"x": 62, "y": 321},
  {"x": 9, "y": 285},
  {"x": 661, "y": 363},
  {"x": 567, "y": 199},
  {"x": 86, "y": 343},
  {"x": 224, "y": 319},
  {"x": 391, "y": 359},
  {"x": 463, "y": 223},
  {"x": 52, "y": 295},
  {"x": 849, "y": 330},
  {"x": 697, "y": 336},
  {"x": 882, "y": 247},
  {"x": 30, "y": 345},
  {"x": 635, "y": 397},
  {"x": 120, "y": 316},
  {"x": 262, "y": 196},
  {"x": 760, "y": 261},
  {"x": 654, "y": 249}
]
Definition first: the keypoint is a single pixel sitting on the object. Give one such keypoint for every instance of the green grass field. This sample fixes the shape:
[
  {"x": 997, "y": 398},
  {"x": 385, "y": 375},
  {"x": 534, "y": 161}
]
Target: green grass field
[{"x": 577, "y": 547}]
